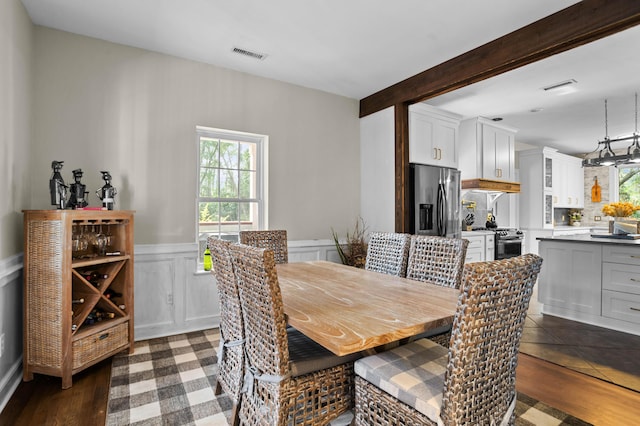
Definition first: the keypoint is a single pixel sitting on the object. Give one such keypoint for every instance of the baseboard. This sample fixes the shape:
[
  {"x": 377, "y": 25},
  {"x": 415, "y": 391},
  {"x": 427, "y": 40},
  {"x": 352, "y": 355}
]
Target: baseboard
[{"x": 10, "y": 383}]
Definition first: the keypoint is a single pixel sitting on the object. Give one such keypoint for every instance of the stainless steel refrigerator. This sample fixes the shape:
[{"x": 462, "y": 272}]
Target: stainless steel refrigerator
[{"x": 434, "y": 197}]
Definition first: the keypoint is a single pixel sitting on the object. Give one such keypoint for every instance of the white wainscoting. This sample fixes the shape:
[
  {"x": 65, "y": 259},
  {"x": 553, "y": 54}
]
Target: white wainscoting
[
  {"x": 10, "y": 326},
  {"x": 172, "y": 297}
]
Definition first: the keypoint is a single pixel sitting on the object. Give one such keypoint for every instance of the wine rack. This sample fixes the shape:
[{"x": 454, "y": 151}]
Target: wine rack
[{"x": 78, "y": 289}]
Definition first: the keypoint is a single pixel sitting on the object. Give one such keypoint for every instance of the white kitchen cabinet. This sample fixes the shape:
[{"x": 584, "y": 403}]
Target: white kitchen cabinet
[
  {"x": 490, "y": 247},
  {"x": 481, "y": 246},
  {"x": 621, "y": 283},
  {"x": 548, "y": 180},
  {"x": 487, "y": 150},
  {"x": 596, "y": 281},
  {"x": 475, "y": 249},
  {"x": 572, "y": 281},
  {"x": 433, "y": 136},
  {"x": 537, "y": 173},
  {"x": 568, "y": 181}
]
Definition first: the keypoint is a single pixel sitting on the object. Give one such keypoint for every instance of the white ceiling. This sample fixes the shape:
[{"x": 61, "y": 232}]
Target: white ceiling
[{"x": 355, "y": 48}]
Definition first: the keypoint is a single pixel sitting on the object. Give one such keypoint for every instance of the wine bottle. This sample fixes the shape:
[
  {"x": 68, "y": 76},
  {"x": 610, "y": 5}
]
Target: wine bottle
[
  {"x": 94, "y": 277},
  {"x": 104, "y": 315},
  {"x": 206, "y": 260},
  {"x": 596, "y": 193},
  {"x": 110, "y": 293}
]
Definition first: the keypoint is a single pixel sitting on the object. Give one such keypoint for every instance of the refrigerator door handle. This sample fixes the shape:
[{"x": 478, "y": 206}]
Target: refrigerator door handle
[{"x": 442, "y": 202}]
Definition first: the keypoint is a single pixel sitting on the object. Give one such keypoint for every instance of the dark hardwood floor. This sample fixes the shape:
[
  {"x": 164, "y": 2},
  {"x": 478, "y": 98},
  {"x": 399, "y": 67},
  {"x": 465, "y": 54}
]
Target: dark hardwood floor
[
  {"x": 593, "y": 400},
  {"x": 43, "y": 402}
]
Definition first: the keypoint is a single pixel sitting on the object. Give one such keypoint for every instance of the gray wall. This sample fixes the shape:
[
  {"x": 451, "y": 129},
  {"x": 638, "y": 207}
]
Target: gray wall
[
  {"x": 16, "y": 40},
  {"x": 15, "y": 120},
  {"x": 100, "y": 106},
  {"x": 103, "y": 106}
]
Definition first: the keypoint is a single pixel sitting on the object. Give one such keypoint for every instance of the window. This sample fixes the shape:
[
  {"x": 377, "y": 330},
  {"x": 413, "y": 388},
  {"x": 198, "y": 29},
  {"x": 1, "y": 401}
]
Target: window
[
  {"x": 628, "y": 184},
  {"x": 231, "y": 183}
]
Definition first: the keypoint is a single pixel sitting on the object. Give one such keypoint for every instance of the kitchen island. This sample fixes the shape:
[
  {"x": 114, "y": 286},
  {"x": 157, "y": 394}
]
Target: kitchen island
[{"x": 591, "y": 279}]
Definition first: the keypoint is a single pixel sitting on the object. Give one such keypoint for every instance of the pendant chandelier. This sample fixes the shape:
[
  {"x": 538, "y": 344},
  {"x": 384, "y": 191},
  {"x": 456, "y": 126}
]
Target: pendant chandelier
[{"x": 606, "y": 156}]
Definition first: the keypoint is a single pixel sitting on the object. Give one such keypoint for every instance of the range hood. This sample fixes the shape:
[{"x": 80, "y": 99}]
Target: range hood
[{"x": 490, "y": 185}]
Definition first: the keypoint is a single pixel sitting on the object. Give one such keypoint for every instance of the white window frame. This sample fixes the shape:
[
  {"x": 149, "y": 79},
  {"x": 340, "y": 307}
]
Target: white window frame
[
  {"x": 262, "y": 144},
  {"x": 614, "y": 190},
  {"x": 614, "y": 182}
]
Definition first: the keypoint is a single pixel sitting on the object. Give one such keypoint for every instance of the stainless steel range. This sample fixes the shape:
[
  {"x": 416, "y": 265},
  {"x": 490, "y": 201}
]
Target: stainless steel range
[{"x": 508, "y": 241}]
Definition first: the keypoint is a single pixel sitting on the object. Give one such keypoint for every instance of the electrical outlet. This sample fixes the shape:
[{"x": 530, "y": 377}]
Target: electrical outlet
[
  {"x": 1, "y": 344},
  {"x": 597, "y": 218}
]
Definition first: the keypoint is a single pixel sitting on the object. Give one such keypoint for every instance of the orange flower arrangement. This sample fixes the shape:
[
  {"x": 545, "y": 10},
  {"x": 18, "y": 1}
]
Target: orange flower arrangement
[{"x": 620, "y": 209}]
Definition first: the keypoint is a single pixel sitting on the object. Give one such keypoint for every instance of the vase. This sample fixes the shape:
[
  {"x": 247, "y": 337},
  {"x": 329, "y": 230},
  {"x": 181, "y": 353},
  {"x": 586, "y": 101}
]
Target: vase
[{"x": 575, "y": 223}]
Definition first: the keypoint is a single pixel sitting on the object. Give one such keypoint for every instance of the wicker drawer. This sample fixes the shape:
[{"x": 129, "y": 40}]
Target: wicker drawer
[
  {"x": 622, "y": 306},
  {"x": 96, "y": 345}
]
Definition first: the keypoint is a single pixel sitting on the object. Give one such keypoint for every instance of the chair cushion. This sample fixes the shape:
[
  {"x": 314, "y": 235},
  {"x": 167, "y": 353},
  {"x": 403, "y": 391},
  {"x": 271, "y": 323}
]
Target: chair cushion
[
  {"x": 307, "y": 356},
  {"x": 412, "y": 373}
]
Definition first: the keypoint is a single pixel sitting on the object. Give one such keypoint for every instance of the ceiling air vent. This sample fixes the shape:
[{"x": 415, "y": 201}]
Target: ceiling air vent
[
  {"x": 249, "y": 53},
  {"x": 562, "y": 88}
]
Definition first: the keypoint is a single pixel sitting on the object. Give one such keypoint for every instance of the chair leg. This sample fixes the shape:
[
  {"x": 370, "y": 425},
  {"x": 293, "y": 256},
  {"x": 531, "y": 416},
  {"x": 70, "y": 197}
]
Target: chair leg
[
  {"x": 218, "y": 390},
  {"x": 235, "y": 414}
]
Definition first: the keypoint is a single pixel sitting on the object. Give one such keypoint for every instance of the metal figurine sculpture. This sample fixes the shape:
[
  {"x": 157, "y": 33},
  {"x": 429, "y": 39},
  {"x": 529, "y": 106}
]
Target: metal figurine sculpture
[
  {"x": 107, "y": 193},
  {"x": 77, "y": 198},
  {"x": 57, "y": 188}
]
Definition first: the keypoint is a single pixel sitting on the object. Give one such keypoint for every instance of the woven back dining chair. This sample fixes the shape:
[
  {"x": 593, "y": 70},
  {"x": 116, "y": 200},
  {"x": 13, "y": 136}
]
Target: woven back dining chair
[
  {"x": 473, "y": 381},
  {"x": 387, "y": 252},
  {"x": 290, "y": 379},
  {"x": 231, "y": 349},
  {"x": 437, "y": 260},
  {"x": 275, "y": 240}
]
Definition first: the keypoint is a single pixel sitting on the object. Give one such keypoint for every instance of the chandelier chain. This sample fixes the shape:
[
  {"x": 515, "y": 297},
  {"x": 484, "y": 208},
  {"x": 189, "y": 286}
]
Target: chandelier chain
[{"x": 606, "y": 121}]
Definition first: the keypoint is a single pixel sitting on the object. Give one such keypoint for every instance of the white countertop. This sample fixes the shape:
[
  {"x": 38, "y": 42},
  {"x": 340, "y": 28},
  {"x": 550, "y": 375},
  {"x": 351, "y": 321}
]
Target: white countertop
[
  {"x": 572, "y": 228},
  {"x": 476, "y": 233},
  {"x": 587, "y": 238}
]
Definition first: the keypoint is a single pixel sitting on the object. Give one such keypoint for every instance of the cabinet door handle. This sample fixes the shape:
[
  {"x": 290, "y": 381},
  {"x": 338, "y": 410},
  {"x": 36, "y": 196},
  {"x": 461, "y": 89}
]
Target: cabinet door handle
[
  {"x": 634, "y": 280},
  {"x": 634, "y": 309},
  {"x": 569, "y": 198},
  {"x": 634, "y": 256},
  {"x": 439, "y": 154},
  {"x": 435, "y": 153}
]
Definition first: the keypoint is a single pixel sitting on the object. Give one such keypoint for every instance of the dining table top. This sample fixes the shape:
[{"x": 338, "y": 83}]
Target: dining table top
[{"x": 348, "y": 310}]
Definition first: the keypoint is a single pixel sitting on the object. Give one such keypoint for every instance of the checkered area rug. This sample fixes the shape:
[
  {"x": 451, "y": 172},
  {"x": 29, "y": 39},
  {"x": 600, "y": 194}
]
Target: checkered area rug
[
  {"x": 170, "y": 381},
  {"x": 530, "y": 412}
]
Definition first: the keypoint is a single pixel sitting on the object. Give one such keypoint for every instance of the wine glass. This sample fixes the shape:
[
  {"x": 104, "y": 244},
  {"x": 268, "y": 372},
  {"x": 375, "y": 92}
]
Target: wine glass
[{"x": 100, "y": 242}]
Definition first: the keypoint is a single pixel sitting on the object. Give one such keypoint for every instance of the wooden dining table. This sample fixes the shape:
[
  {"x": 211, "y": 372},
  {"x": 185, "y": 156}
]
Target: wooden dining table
[{"x": 348, "y": 310}]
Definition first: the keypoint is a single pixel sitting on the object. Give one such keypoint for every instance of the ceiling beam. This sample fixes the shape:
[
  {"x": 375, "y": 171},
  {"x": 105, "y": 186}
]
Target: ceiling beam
[{"x": 574, "y": 26}]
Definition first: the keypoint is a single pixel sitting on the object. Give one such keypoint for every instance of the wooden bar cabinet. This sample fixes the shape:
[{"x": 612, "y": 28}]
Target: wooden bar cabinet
[{"x": 78, "y": 289}]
